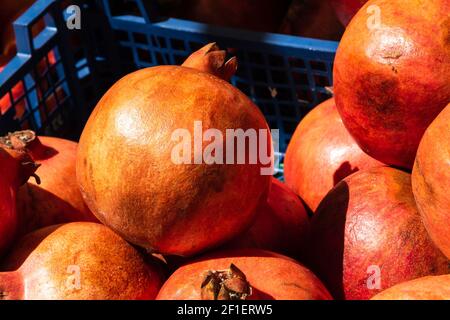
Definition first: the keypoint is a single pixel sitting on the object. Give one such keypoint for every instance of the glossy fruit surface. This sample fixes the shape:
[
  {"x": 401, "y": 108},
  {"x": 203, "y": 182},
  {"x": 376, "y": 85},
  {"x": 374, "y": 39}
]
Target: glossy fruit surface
[
  {"x": 392, "y": 76},
  {"x": 431, "y": 180},
  {"x": 322, "y": 153},
  {"x": 270, "y": 276},
  {"x": 80, "y": 261},
  {"x": 367, "y": 236}
]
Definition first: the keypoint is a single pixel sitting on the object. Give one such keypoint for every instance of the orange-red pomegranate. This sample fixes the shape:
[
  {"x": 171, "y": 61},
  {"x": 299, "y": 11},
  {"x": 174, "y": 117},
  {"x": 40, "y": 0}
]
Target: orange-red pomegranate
[
  {"x": 392, "y": 76},
  {"x": 426, "y": 288},
  {"x": 346, "y": 9},
  {"x": 321, "y": 154},
  {"x": 281, "y": 224},
  {"x": 15, "y": 169},
  {"x": 257, "y": 15},
  {"x": 312, "y": 19},
  {"x": 367, "y": 236},
  {"x": 243, "y": 275},
  {"x": 78, "y": 261},
  {"x": 129, "y": 167},
  {"x": 57, "y": 199},
  {"x": 431, "y": 180}
]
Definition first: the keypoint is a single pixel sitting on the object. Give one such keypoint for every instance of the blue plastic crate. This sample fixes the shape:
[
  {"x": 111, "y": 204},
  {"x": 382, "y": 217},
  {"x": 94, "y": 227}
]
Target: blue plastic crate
[{"x": 284, "y": 75}]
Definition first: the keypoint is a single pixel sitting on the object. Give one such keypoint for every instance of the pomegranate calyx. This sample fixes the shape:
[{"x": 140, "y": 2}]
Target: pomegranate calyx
[
  {"x": 212, "y": 60},
  {"x": 18, "y": 140},
  {"x": 228, "y": 284}
]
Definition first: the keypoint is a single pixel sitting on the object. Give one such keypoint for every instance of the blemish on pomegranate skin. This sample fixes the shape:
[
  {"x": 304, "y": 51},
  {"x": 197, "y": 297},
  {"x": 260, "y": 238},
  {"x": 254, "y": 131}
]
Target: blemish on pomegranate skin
[{"x": 388, "y": 45}]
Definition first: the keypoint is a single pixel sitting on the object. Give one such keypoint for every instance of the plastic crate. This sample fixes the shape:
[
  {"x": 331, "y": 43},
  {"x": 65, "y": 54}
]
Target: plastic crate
[{"x": 62, "y": 73}]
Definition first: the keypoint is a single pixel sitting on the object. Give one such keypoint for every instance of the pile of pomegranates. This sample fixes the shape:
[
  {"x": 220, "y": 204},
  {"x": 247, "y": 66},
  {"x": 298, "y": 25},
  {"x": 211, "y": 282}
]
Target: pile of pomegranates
[{"x": 159, "y": 201}]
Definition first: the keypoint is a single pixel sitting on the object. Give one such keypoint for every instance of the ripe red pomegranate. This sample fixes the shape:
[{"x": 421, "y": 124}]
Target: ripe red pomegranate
[
  {"x": 15, "y": 169},
  {"x": 257, "y": 15},
  {"x": 243, "y": 275},
  {"x": 367, "y": 236},
  {"x": 426, "y": 288},
  {"x": 57, "y": 199},
  {"x": 312, "y": 19},
  {"x": 346, "y": 9},
  {"x": 126, "y": 168},
  {"x": 78, "y": 261},
  {"x": 281, "y": 224},
  {"x": 431, "y": 180},
  {"x": 321, "y": 154},
  {"x": 392, "y": 76}
]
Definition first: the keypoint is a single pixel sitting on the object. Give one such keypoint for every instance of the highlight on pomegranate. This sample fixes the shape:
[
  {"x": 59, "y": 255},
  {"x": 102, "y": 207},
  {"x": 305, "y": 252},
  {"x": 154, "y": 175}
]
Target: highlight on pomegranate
[{"x": 250, "y": 151}]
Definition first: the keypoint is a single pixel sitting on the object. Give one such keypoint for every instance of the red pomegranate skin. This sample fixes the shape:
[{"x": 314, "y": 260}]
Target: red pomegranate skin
[
  {"x": 431, "y": 180},
  {"x": 281, "y": 224},
  {"x": 369, "y": 221},
  {"x": 50, "y": 259},
  {"x": 322, "y": 153},
  {"x": 130, "y": 182},
  {"x": 256, "y": 15},
  {"x": 15, "y": 169},
  {"x": 57, "y": 199},
  {"x": 426, "y": 288},
  {"x": 272, "y": 277},
  {"x": 392, "y": 76},
  {"x": 346, "y": 9}
]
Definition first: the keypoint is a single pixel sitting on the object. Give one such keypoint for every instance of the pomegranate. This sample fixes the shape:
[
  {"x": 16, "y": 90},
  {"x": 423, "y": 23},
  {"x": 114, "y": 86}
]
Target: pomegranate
[
  {"x": 281, "y": 224},
  {"x": 392, "y": 76},
  {"x": 244, "y": 274},
  {"x": 321, "y": 154},
  {"x": 312, "y": 19},
  {"x": 257, "y": 15},
  {"x": 15, "y": 169},
  {"x": 431, "y": 180},
  {"x": 57, "y": 199},
  {"x": 346, "y": 9},
  {"x": 367, "y": 236},
  {"x": 78, "y": 261},
  {"x": 426, "y": 288},
  {"x": 135, "y": 178}
]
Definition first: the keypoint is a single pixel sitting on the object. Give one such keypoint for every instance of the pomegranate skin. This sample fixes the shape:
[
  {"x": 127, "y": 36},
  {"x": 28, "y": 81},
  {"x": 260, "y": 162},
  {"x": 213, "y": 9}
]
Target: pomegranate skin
[
  {"x": 15, "y": 169},
  {"x": 127, "y": 176},
  {"x": 426, "y": 288},
  {"x": 57, "y": 199},
  {"x": 322, "y": 145},
  {"x": 369, "y": 221},
  {"x": 52, "y": 260},
  {"x": 392, "y": 78},
  {"x": 272, "y": 277},
  {"x": 281, "y": 224},
  {"x": 431, "y": 180},
  {"x": 346, "y": 9}
]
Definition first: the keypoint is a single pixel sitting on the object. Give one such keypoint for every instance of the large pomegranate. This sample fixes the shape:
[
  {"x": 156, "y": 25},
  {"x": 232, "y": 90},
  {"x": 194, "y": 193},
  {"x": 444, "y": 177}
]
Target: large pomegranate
[
  {"x": 257, "y": 15},
  {"x": 129, "y": 167},
  {"x": 367, "y": 236},
  {"x": 243, "y": 275},
  {"x": 78, "y": 261},
  {"x": 322, "y": 153},
  {"x": 426, "y": 288},
  {"x": 57, "y": 199},
  {"x": 281, "y": 224},
  {"x": 346, "y": 9},
  {"x": 15, "y": 169},
  {"x": 431, "y": 180},
  {"x": 392, "y": 76},
  {"x": 312, "y": 19}
]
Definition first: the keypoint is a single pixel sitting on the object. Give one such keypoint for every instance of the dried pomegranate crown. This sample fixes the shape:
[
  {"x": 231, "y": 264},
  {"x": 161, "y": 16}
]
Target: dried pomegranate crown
[{"x": 230, "y": 284}]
